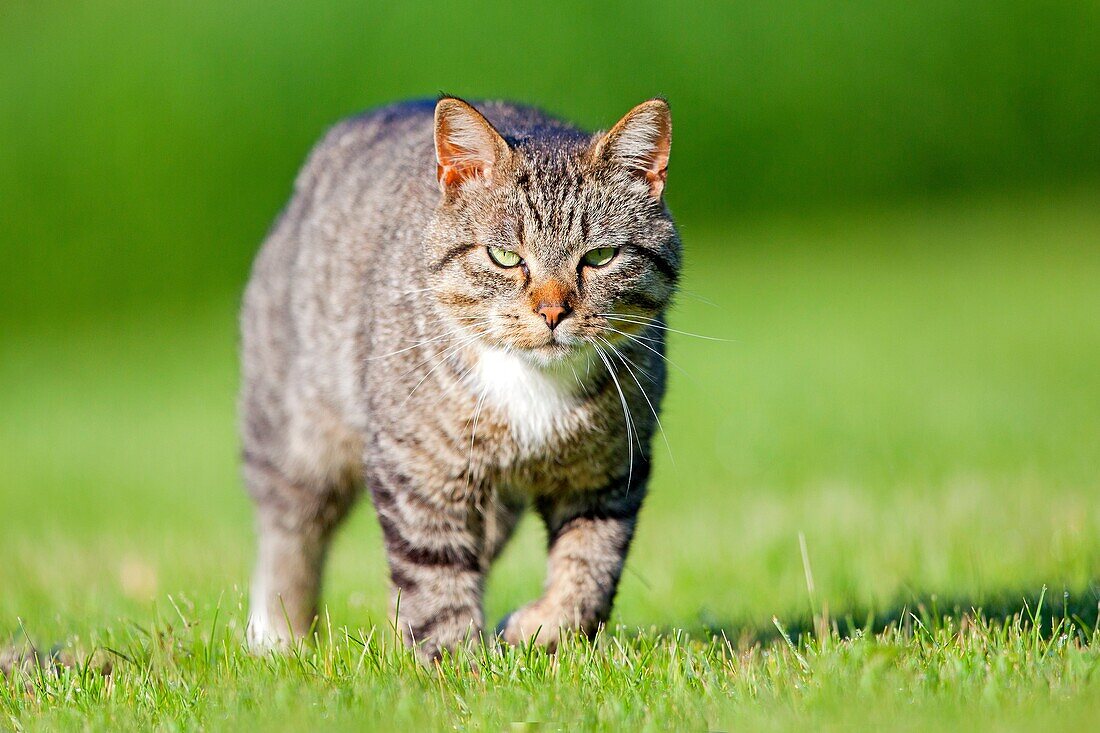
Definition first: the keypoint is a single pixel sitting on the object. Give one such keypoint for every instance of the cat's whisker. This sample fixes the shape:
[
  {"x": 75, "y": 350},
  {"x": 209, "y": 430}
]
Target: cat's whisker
[
  {"x": 442, "y": 359},
  {"x": 656, "y": 324},
  {"x": 635, "y": 316},
  {"x": 618, "y": 351},
  {"x": 431, "y": 357},
  {"x": 626, "y": 413},
  {"x": 696, "y": 296},
  {"x": 460, "y": 378},
  {"x": 418, "y": 344},
  {"x": 640, "y": 342},
  {"x": 626, "y": 363},
  {"x": 422, "y": 290},
  {"x": 631, "y": 424},
  {"x": 653, "y": 323},
  {"x": 473, "y": 438},
  {"x": 577, "y": 377},
  {"x": 639, "y": 337},
  {"x": 448, "y": 351},
  {"x": 488, "y": 324}
]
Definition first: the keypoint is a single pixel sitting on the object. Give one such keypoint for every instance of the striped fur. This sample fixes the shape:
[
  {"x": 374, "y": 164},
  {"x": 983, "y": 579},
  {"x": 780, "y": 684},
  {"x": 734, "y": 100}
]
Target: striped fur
[{"x": 382, "y": 347}]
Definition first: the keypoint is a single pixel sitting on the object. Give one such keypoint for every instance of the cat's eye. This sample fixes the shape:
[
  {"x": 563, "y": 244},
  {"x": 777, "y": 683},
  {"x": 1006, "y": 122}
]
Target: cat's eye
[
  {"x": 503, "y": 257},
  {"x": 600, "y": 256}
]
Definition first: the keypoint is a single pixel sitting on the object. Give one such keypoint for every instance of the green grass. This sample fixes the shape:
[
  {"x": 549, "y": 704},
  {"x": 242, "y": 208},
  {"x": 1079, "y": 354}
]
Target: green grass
[{"x": 903, "y": 428}]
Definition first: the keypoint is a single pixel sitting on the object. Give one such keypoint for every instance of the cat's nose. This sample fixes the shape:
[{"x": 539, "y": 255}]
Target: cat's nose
[{"x": 552, "y": 313}]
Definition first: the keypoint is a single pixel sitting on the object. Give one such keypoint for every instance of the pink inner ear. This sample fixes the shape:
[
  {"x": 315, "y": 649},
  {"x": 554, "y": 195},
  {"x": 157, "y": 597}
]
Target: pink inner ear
[
  {"x": 656, "y": 180},
  {"x": 466, "y": 146},
  {"x": 456, "y": 162},
  {"x": 453, "y": 175}
]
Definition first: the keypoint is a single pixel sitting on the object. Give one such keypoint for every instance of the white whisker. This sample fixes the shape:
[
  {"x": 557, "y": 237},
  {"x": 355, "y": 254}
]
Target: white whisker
[
  {"x": 460, "y": 339},
  {"x": 641, "y": 342},
  {"x": 626, "y": 363},
  {"x": 650, "y": 339},
  {"x": 442, "y": 359},
  {"x": 473, "y": 437},
  {"x": 626, "y": 413},
  {"x": 459, "y": 379},
  {"x": 421, "y": 290},
  {"x": 653, "y": 323},
  {"x": 700, "y": 298},
  {"x": 418, "y": 344}
]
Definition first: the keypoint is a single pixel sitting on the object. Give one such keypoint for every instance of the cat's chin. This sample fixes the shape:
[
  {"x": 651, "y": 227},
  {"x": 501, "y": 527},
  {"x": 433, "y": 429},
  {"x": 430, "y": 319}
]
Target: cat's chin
[{"x": 552, "y": 354}]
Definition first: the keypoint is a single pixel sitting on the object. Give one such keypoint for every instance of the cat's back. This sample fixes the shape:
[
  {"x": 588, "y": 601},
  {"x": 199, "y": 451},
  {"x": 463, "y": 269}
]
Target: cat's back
[
  {"x": 410, "y": 123},
  {"x": 368, "y": 181},
  {"x": 369, "y": 175},
  {"x": 373, "y": 161},
  {"x": 398, "y": 140},
  {"x": 377, "y": 169}
]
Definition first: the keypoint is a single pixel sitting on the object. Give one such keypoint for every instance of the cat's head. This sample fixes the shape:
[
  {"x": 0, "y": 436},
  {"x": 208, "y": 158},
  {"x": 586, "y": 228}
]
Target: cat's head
[{"x": 546, "y": 242}]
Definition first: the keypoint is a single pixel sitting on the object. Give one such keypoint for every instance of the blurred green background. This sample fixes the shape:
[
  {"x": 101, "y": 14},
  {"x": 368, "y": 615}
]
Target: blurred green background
[
  {"x": 890, "y": 207},
  {"x": 146, "y": 146}
]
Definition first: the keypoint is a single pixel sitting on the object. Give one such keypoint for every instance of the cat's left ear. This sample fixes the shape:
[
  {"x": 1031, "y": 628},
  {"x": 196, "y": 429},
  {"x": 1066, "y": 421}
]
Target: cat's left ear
[
  {"x": 640, "y": 142},
  {"x": 467, "y": 147}
]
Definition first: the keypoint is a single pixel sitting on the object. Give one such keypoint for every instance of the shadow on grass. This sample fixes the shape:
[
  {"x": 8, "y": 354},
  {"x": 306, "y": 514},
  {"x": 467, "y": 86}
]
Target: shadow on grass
[{"x": 1046, "y": 610}]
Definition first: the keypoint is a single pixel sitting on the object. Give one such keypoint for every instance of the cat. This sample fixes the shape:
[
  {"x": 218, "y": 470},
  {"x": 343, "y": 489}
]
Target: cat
[{"x": 462, "y": 309}]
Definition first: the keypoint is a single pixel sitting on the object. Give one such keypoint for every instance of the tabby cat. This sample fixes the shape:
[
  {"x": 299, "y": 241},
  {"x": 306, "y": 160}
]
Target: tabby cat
[{"x": 461, "y": 309}]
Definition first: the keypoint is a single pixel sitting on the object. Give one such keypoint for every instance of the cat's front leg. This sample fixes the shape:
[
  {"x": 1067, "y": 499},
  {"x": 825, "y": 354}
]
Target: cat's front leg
[
  {"x": 436, "y": 572},
  {"x": 589, "y": 538}
]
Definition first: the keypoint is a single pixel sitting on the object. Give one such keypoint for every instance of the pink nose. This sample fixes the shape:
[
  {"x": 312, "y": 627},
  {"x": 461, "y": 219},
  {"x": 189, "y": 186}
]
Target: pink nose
[{"x": 552, "y": 313}]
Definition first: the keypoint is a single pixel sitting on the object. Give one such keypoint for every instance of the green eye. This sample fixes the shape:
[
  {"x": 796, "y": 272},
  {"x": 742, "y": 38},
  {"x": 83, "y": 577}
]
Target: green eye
[
  {"x": 504, "y": 257},
  {"x": 599, "y": 257}
]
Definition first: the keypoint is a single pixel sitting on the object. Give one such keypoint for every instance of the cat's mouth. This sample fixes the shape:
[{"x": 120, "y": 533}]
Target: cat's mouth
[
  {"x": 546, "y": 347},
  {"x": 561, "y": 345},
  {"x": 554, "y": 349}
]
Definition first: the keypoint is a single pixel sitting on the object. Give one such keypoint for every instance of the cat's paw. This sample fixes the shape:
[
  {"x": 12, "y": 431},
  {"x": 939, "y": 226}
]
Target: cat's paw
[
  {"x": 264, "y": 637},
  {"x": 531, "y": 624}
]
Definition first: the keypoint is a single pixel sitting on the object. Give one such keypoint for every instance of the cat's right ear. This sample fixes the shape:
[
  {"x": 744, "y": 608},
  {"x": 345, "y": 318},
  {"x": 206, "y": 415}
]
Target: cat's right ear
[
  {"x": 467, "y": 147},
  {"x": 640, "y": 143}
]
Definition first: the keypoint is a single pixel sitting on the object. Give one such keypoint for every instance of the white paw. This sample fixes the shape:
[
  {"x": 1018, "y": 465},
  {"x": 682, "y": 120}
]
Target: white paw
[
  {"x": 265, "y": 634},
  {"x": 531, "y": 625}
]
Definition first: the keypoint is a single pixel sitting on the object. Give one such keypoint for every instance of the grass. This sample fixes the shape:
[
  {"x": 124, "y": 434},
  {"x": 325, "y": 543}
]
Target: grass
[
  {"x": 179, "y": 673},
  {"x": 896, "y": 453}
]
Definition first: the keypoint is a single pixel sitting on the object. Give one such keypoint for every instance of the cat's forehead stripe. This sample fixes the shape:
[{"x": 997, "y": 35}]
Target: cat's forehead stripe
[{"x": 553, "y": 196}]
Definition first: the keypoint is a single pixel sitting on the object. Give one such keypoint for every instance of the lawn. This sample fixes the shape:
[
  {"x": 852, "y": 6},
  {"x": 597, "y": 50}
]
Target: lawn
[{"x": 878, "y": 507}]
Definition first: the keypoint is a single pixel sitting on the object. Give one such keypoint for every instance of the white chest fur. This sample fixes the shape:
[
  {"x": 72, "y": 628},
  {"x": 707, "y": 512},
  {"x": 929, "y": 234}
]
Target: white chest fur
[{"x": 538, "y": 402}]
